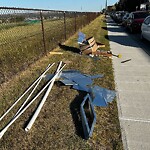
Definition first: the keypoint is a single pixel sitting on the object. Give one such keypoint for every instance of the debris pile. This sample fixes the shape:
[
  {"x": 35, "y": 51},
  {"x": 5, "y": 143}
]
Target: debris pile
[
  {"x": 28, "y": 101},
  {"x": 96, "y": 96},
  {"x": 90, "y": 47}
]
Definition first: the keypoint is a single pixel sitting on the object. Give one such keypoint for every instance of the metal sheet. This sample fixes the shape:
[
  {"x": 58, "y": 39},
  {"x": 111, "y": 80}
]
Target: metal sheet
[
  {"x": 48, "y": 77},
  {"x": 101, "y": 96},
  {"x": 81, "y": 87},
  {"x": 94, "y": 76},
  {"x": 88, "y": 116},
  {"x": 67, "y": 82},
  {"x": 82, "y": 80},
  {"x": 75, "y": 77},
  {"x": 70, "y": 74}
]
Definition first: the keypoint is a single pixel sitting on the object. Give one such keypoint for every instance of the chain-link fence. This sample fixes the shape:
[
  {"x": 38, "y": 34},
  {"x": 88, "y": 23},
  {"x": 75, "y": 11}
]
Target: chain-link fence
[{"x": 27, "y": 34}]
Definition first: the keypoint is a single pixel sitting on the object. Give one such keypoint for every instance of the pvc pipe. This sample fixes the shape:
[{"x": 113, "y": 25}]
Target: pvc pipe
[
  {"x": 29, "y": 96},
  {"x": 25, "y": 92},
  {"x": 2, "y": 132},
  {"x": 32, "y": 91},
  {"x": 36, "y": 113}
]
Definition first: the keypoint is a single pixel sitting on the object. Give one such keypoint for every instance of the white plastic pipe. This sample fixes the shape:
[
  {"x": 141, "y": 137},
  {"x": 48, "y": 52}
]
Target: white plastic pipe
[
  {"x": 8, "y": 110},
  {"x": 29, "y": 96},
  {"x": 2, "y": 132},
  {"x": 41, "y": 77},
  {"x": 36, "y": 113}
]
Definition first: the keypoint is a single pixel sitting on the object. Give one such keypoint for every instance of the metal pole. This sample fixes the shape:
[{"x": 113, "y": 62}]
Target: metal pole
[
  {"x": 87, "y": 16},
  {"x": 105, "y": 8},
  {"x": 43, "y": 33},
  {"x": 75, "y": 22},
  {"x": 65, "y": 25},
  {"x": 81, "y": 21}
]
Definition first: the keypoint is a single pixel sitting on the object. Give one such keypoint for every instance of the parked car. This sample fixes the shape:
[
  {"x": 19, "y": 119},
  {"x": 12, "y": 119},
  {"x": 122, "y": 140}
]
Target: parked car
[
  {"x": 118, "y": 15},
  {"x": 124, "y": 19},
  {"x": 145, "y": 29},
  {"x": 135, "y": 20}
]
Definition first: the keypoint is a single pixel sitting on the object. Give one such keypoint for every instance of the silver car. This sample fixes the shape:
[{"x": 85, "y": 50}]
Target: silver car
[{"x": 145, "y": 29}]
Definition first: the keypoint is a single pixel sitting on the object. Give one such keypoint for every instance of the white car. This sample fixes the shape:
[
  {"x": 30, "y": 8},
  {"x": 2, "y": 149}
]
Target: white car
[{"x": 145, "y": 29}]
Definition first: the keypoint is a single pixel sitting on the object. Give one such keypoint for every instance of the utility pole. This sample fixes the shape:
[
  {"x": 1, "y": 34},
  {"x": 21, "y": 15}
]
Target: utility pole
[{"x": 105, "y": 8}]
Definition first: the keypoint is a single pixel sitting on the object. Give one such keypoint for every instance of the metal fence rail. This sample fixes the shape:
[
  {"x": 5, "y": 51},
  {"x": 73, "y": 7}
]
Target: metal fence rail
[{"x": 27, "y": 34}]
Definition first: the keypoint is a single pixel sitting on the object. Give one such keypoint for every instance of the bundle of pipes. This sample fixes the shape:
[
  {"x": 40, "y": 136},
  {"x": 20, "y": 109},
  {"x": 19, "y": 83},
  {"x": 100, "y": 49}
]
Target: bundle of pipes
[{"x": 23, "y": 107}]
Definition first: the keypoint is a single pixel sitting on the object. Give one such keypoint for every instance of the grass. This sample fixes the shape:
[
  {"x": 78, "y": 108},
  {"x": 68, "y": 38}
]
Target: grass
[
  {"x": 59, "y": 126},
  {"x": 12, "y": 25},
  {"x": 20, "y": 46}
]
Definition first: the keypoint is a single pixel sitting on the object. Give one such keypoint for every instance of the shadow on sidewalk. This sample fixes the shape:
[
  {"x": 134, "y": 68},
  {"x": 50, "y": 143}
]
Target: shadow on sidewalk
[
  {"x": 113, "y": 29},
  {"x": 123, "y": 40}
]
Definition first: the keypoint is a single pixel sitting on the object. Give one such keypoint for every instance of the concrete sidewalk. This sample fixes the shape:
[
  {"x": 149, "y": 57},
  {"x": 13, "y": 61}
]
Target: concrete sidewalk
[{"x": 133, "y": 86}]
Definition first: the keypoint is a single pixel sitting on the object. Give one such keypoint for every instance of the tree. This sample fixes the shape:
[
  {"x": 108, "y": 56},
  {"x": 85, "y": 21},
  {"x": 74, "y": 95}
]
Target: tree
[
  {"x": 17, "y": 19},
  {"x": 129, "y": 5}
]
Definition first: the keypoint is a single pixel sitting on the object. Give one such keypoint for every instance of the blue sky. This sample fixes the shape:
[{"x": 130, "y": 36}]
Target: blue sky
[{"x": 72, "y": 5}]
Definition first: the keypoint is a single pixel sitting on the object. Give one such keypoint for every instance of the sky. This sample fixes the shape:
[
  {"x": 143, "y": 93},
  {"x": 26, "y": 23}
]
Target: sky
[{"x": 68, "y": 5}]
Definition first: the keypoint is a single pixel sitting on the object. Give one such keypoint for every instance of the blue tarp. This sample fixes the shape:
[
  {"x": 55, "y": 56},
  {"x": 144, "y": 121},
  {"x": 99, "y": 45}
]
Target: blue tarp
[{"x": 81, "y": 37}]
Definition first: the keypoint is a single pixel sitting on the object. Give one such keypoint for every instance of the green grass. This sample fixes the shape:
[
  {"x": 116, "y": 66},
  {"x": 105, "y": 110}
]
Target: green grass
[
  {"x": 58, "y": 126},
  {"x": 5, "y": 26}
]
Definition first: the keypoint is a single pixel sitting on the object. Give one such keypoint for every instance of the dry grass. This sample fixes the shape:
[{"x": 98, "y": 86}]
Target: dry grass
[
  {"x": 20, "y": 46},
  {"x": 59, "y": 126}
]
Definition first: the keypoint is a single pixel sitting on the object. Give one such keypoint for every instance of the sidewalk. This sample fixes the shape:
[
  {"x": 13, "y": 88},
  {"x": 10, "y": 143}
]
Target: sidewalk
[{"x": 133, "y": 86}]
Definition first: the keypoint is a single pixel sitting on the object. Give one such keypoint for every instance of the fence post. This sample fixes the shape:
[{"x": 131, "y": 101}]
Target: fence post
[
  {"x": 89, "y": 17},
  {"x": 88, "y": 14},
  {"x": 81, "y": 21},
  {"x": 65, "y": 25},
  {"x": 43, "y": 32},
  {"x": 75, "y": 23}
]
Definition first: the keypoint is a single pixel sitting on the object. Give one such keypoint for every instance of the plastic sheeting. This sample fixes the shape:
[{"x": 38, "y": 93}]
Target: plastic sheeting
[
  {"x": 88, "y": 116},
  {"x": 83, "y": 82}
]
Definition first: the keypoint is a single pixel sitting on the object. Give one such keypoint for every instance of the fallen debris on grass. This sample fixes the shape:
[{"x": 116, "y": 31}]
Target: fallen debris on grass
[
  {"x": 24, "y": 107},
  {"x": 101, "y": 96},
  {"x": 36, "y": 113},
  {"x": 96, "y": 96},
  {"x": 32, "y": 85},
  {"x": 56, "y": 53},
  {"x": 88, "y": 116},
  {"x": 91, "y": 47}
]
